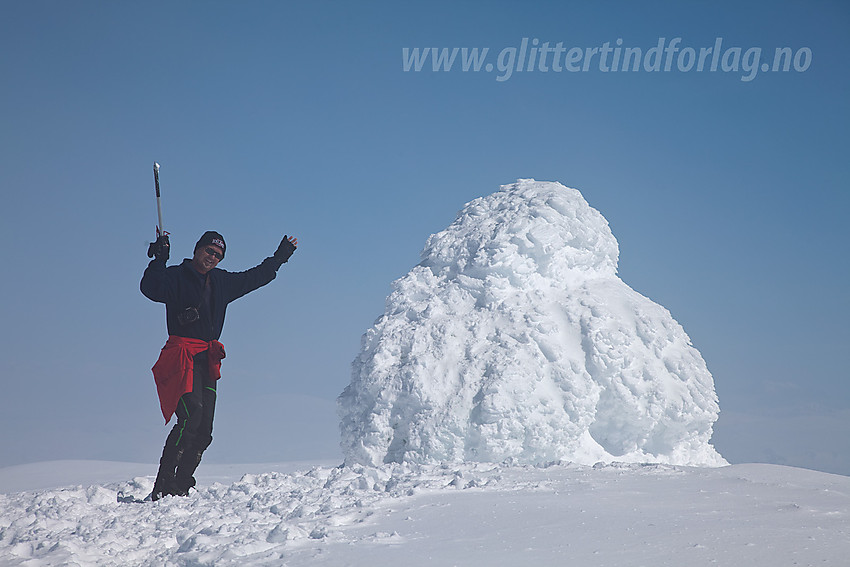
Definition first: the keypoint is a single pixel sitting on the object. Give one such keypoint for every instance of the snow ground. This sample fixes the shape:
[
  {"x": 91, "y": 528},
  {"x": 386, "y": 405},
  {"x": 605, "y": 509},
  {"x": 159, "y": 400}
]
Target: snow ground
[{"x": 295, "y": 514}]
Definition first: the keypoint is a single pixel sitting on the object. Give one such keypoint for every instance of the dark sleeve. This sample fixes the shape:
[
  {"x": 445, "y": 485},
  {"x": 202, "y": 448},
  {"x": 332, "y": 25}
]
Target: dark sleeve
[
  {"x": 156, "y": 284},
  {"x": 238, "y": 284}
]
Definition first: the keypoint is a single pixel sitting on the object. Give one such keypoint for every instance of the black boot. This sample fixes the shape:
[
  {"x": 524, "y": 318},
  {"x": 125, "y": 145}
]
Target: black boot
[
  {"x": 183, "y": 479},
  {"x": 165, "y": 483}
]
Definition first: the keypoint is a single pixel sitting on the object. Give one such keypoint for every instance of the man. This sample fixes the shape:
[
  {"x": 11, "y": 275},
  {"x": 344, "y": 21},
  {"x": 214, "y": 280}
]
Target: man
[{"x": 196, "y": 294}]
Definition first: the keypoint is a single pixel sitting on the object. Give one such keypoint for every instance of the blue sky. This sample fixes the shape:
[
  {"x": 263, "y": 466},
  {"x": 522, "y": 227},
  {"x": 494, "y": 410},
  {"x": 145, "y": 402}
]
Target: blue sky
[{"x": 728, "y": 198}]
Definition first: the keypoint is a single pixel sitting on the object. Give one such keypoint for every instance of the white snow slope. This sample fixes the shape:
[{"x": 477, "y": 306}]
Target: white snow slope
[
  {"x": 514, "y": 338},
  {"x": 469, "y": 515}
]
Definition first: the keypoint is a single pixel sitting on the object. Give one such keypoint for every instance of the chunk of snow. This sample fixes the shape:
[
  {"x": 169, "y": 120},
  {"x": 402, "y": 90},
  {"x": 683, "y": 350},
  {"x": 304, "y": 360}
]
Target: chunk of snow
[{"x": 514, "y": 338}]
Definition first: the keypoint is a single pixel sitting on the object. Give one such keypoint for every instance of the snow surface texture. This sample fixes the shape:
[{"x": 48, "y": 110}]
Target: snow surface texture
[
  {"x": 468, "y": 514},
  {"x": 514, "y": 338}
]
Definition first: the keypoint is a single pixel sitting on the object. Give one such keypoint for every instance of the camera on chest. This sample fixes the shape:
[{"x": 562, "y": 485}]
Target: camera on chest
[{"x": 188, "y": 316}]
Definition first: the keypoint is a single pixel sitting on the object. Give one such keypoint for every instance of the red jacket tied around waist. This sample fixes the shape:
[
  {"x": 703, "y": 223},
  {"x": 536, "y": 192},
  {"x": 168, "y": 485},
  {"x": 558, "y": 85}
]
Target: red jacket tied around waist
[{"x": 173, "y": 371}]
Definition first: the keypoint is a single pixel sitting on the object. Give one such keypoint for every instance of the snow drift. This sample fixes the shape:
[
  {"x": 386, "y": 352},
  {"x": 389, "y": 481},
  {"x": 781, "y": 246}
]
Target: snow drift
[{"x": 513, "y": 338}]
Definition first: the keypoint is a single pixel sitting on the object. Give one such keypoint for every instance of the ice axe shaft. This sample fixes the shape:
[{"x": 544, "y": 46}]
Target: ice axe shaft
[{"x": 160, "y": 230}]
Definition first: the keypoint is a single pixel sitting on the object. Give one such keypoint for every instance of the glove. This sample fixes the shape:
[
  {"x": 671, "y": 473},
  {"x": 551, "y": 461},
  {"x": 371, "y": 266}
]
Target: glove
[
  {"x": 286, "y": 248},
  {"x": 160, "y": 249}
]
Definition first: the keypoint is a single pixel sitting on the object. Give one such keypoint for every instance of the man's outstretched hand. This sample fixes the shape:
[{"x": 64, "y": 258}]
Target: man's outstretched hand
[{"x": 286, "y": 248}]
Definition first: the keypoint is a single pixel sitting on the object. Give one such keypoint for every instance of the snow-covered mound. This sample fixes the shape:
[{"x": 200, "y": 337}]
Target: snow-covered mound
[{"x": 514, "y": 338}]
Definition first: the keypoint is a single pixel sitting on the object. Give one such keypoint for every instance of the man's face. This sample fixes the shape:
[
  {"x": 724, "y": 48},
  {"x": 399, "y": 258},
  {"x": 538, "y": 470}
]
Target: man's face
[{"x": 207, "y": 257}]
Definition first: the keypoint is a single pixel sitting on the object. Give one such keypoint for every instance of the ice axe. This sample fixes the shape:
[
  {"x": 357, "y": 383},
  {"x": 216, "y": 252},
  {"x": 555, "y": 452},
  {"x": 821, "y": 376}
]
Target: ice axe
[{"x": 160, "y": 231}]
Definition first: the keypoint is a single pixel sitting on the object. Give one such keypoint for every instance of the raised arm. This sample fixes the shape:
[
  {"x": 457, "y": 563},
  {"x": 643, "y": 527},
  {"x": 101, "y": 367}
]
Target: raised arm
[
  {"x": 155, "y": 281},
  {"x": 241, "y": 283}
]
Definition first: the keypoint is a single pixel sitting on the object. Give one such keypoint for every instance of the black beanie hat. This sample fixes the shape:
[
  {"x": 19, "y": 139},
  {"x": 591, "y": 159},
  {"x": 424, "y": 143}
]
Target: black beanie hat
[{"x": 214, "y": 238}]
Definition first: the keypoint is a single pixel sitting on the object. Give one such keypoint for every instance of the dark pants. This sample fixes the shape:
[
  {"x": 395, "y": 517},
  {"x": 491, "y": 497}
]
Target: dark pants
[{"x": 192, "y": 433}]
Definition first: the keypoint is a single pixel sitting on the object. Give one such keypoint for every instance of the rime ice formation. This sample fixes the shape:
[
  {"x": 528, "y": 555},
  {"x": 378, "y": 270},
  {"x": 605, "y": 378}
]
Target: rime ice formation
[{"x": 513, "y": 338}]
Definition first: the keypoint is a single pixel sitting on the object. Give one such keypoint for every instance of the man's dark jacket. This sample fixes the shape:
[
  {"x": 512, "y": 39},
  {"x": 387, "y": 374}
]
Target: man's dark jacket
[{"x": 182, "y": 286}]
